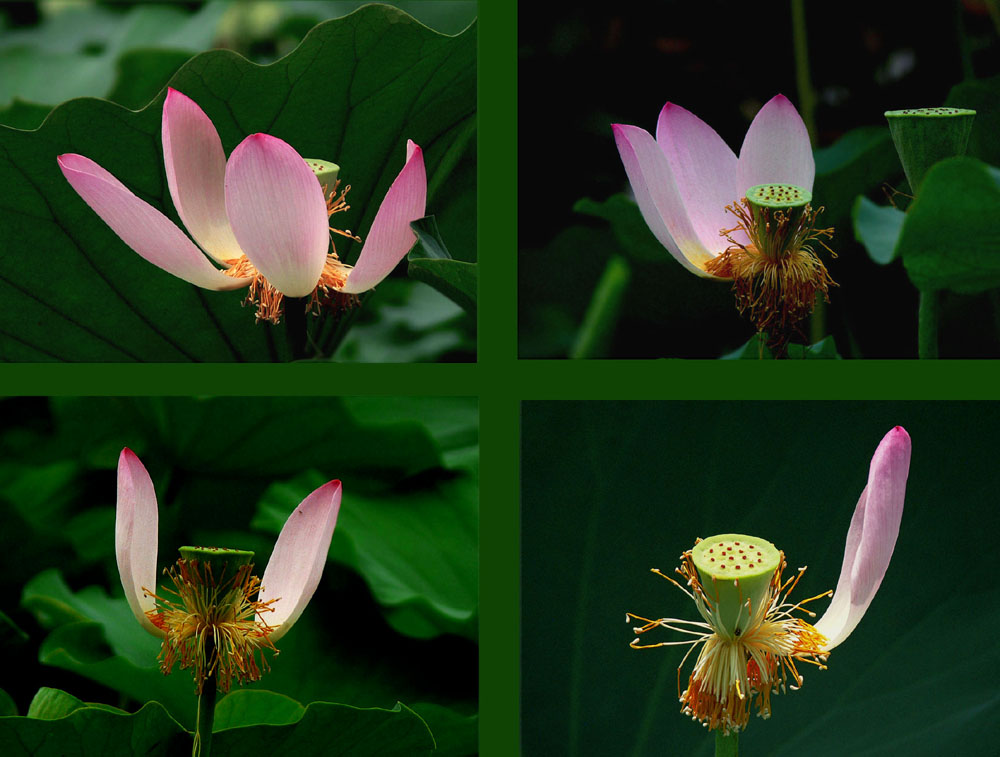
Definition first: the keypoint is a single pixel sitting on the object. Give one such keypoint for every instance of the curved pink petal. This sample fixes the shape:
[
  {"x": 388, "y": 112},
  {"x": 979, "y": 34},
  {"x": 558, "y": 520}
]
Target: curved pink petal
[
  {"x": 705, "y": 171},
  {"x": 776, "y": 149},
  {"x": 141, "y": 226},
  {"x": 658, "y": 198},
  {"x": 296, "y": 564},
  {"x": 196, "y": 175},
  {"x": 391, "y": 237},
  {"x": 870, "y": 539},
  {"x": 135, "y": 536},
  {"x": 278, "y": 213}
]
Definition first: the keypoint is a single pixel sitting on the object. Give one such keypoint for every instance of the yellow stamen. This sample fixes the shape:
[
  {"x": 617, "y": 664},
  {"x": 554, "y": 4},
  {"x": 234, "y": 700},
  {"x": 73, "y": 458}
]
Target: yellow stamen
[
  {"x": 778, "y": 275},
  {"x": 214, "y": 626},
  {"x": 735, "y": 671}
]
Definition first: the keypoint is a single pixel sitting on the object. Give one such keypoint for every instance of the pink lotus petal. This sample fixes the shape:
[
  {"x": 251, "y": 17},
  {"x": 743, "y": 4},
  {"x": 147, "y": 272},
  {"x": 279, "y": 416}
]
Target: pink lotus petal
[
  {"x": 278, "y": 213},
  {"x": 776, "y": 149},
  {"x": 705, "y": 171},
  {"x": 136, "y": 535},
  {"x": 391, "y": 237},
  {"x": 296, "y": 564},
  {"x": 141, "y": 226},
  {"x": 658, "y": 198},
  {"x": 870, "y": 539},
  {"x": 196, "y": 175}
]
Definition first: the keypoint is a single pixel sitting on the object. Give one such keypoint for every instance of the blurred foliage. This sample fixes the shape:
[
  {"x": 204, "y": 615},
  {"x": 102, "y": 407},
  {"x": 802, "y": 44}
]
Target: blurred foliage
[
  {"x": 595, "y": 61},
  {"x": 406, "y": 79},
  {"x": 395, "y": 616},
  {"x": 756, "y": 349},
  {"x": 613, "y": 489}
]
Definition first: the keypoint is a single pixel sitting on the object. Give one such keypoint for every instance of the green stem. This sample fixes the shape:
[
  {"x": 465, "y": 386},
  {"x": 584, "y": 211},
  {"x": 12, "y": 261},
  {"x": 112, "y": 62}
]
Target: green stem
[
  {"x": 342, "y": 322},
  {"x": 807, "y": 95},
  {"x": 726, "y": 746},
  {"x": 594, "y": 336},
  {"x": 807, "y": 107},
  {"x": 206, "y": 719},
  {"x": 295, "y": 326},
  {"x": 927, "y": 324}
]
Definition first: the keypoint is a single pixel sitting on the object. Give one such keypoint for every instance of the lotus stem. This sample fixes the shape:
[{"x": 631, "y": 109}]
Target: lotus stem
[
  {"x": 728, "y": 745},
  {"x": 206, "y": 719}
]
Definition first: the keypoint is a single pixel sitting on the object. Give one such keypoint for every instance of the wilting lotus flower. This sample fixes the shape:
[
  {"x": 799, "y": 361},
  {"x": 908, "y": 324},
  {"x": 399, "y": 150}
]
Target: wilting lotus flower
[
  {"x": 217, "y": 617},
  {"x": 749, "y": 640},
  {"x": 687, "y": 180},
  {"x": 263, "y": 215}
]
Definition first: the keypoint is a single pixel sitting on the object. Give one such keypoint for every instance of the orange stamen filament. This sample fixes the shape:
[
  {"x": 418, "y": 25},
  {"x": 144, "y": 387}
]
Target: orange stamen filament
[
  {"x": 732, "y": 672},
  {"x": 777, "y": 276},
  {"x": 212, "y": 624}
]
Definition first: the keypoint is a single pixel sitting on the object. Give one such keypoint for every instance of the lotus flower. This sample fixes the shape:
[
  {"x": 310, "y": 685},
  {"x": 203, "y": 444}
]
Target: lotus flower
[
  {"x": 262, "y": 215},
  {"x": 219, "y": 617},
  {"x": 684, "y": 179},
  {"x": 750, "y": 641}
]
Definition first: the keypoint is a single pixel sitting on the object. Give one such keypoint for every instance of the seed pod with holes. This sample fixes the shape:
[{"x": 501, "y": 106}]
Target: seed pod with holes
[
  {"x": 735, "y": 572},
  {"x": 923, "y": 136}
]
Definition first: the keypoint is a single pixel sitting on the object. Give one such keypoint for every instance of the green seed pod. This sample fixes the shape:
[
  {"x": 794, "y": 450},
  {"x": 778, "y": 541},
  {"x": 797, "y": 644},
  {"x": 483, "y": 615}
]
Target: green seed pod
[
  {"x": 222, "y": 561},
  {"x": 923, "y": 136},
  {"x": 777, "y": 210},
  {"x": 736, "y": 572},
  {"x": 326, "y": 172}
]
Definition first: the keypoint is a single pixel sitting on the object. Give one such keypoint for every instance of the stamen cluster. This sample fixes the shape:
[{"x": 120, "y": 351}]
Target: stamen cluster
[
  {"x": 213, "y": 624},
  {"x": 738, "y": 668},
  {"x": 777, "y": 276}
]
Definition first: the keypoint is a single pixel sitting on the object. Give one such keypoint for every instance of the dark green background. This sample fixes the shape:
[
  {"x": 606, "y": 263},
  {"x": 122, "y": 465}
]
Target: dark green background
[{"x": 612, "y": 489}]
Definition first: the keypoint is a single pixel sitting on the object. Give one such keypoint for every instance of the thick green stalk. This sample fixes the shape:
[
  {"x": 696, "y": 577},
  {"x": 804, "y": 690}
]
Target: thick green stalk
[
  {"x": 807, "y": 95},
  {"x": 594, "y": 336},
  {"x": 206, "y": 718},
  {"x": 295, "y": 325},
  {"x": 726, "y": 746},
  {"x": 927, "y": 324}
]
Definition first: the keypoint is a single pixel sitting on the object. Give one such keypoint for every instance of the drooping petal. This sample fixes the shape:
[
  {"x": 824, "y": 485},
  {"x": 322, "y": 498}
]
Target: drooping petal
[
  {"x": 870, "y": 539},
  {"x": 776, "y": 149},
  {"x": 278, "y": 213},
  {"x": 136, "y": 524},
  {"x": 296, "y": 564},
  {"x": 196, "y": 174},
  {"x": 141, "y": 226},
  {"x": 658, "y": 198},
  {"x": 705, "y": 170},
  {"x": 391, "y": 237}
]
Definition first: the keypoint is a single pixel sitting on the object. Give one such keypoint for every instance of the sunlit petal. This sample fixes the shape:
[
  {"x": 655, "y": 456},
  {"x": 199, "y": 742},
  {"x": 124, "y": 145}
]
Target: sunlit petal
[
  {"x": 705, "y": 170},
  {"x": 136, "y": 524},
  {"x": 776, "y": 149},
  {"x": 391, "y": 237},
  {"x": 659, "y": 200},
  {"x": 296, "y": 564},
  {"x": 870, "y": 539},
  {"x": 196, "y": 175},
  {"x": 278, "y": 213},
  {"x": 141, "y": 226}
]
